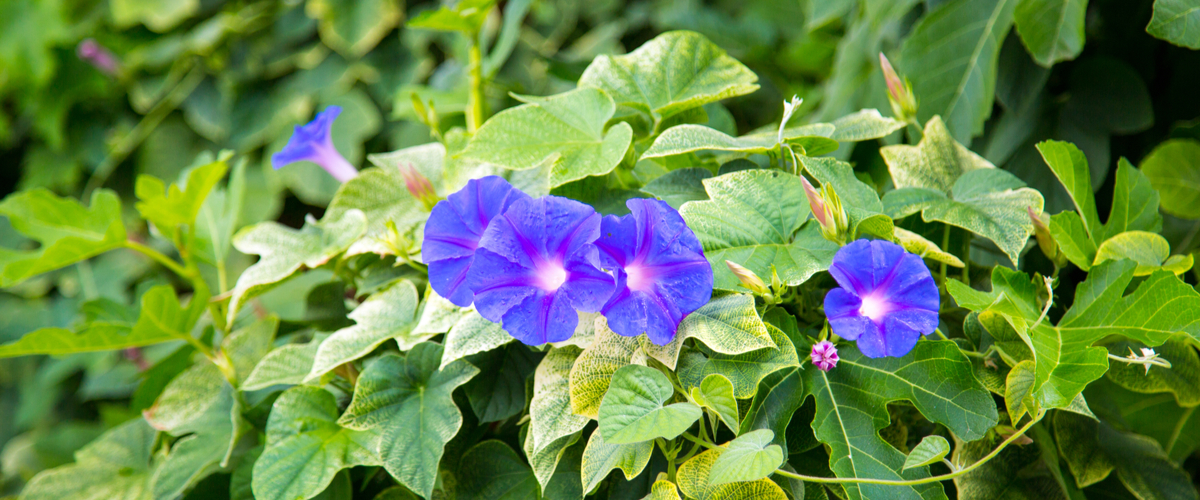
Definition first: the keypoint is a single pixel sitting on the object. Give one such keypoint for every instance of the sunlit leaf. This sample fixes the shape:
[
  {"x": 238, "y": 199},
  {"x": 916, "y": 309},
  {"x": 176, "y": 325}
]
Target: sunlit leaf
[
  {"x": 633, "y": 408},
  {"x": 694, "y": 480},
  {"x": 389, "y": 314},
  {"x": 931, "y": 449},
  {"x": 749, "y": 457},
  {"x": 1176, "y": 21},
  {"x": 67, "y": 231}
]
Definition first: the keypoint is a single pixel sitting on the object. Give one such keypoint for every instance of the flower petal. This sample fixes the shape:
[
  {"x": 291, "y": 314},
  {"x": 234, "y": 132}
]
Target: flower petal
[
  {"x": 542, "y": 317},
  {"x": 307, "y": 139},
  {"x": 587, "y": 285},
  {"x": 498, "y": 284}
]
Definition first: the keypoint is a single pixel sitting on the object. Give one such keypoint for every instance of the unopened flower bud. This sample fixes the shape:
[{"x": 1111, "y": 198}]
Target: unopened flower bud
[
  {"x": 749, "y": 280},
  {"x": 827, "y": 208},
  {"x": 824, "y": 355},
  {"x": 419, "y": 186},
  {"x": 900, "y": 94},
  {"x": 1041, "y": 232},
  {"x": 90, "y": 51}
]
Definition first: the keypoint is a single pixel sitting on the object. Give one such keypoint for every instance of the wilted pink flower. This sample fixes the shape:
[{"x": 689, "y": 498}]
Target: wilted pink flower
[
  {"x": 101, "y": 58},
  {"x": 824, "y": 355}
]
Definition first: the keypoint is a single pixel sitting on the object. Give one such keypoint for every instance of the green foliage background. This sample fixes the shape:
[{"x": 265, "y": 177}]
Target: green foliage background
[{"x": 207, "y": 90}]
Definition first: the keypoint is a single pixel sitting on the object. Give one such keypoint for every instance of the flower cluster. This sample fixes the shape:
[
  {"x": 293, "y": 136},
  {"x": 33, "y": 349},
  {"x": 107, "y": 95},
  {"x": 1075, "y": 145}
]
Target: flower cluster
[{"x": 531, "y": 263}]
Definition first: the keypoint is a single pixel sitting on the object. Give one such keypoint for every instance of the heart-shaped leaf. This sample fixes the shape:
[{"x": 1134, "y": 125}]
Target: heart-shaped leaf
[
  {"x": 633, "y": 409},
  {"x": 750, "y": 457}
]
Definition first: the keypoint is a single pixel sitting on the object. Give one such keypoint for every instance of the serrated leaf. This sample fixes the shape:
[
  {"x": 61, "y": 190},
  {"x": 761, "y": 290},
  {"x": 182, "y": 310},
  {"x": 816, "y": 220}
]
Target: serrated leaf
[
  {"x": 465, "y": 16},
  {"x": 1052, "y": 30},
  {"x": 284, "y": 252},
  {"x": 162, "y": 319},
  {"x": 550, "y": 416},
  {"x": 1176, "y": 21},
  {"x": 285, "y": 365},
  {"x": 749, "y": 457},
  {"x": 473, "y": 334},
  {"x": 851, "y": 408},
  {"x": 716, "y": 393},
  {"x": 864, "y": 125},
  {"x": 1182, "y": 379},
  {"x": 386, "y": 315},
  {"x": 675, "y": 71},
  {"x": 633, "y": 408},
  {"x": 694, "y": 480},
  {"x": 179, "y": 206},
  {"x": 989, "y": 202},
  {"x": 754, "y": 219},
  {"x": 679, "y": 186},
  {"x": 306, "y": 446},
  {"x": 599, "y": 458},
  {"x": 1149, "y": 250},
  {"x": 593, "y": 370},
  {"x": 408, "y": 401},
  {"x": 1094, "y": 449},
  {"x": 67, "y": 231},
  {"x": 118, "y": 464},
  {"x": 491, "y": 470},
  {"x": 1173, "y": 168},
  {"x": 931, "y": 449},
  {"x": 951, "y": 58},
  {"x": 934, "y": 163},
  {"x": 813, "y": 140},
  {"x": 354, "y": 27},
  {"x": 745, "y": 370},
  {"x": 729, "y": 325},
  {"x": 564, "y": 130}
]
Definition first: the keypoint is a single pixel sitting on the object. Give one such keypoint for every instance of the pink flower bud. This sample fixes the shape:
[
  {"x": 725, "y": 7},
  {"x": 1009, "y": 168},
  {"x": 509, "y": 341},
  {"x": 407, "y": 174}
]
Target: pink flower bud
[
  {"x": 749, "y": 280},
  {"x": 419, "y": 186},
  {"x": 900, "y": 94},
  {"x": 815, "y": 202},
  {"x": 99, "y": 57},
  {"x": 824, "y": 355}
]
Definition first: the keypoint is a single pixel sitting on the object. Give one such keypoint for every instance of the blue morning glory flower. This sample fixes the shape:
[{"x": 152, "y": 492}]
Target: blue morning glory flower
[
  {"x": 887, "y": 300},
  {"x": 536, "y": 265},
  {"x": 312, "y": 142},
  {"x": 453, "y": 231},
  {"x": 661, "y": 271}
]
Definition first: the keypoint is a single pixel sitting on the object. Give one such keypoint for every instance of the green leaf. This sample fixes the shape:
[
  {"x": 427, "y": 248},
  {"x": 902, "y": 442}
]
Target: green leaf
[
  {"x": 491, "y": 470},
  {"x": 1094, "y": 449},
  {"x": 728, "y": 325},
  {"x": 439, "y": 315},
  {"x": 285, "y": 365},
  {"x": 473, "y": 334},
  {"x": 67, "y": 231},
  {"x": 675, "y": 71},
  {"x": 306, "y": 447},
  {"x": 860, "y": 201},
  {"x": 381, "y": 195},
  {"x": 1176, "y": 428},
  {"x": 864, "y": 125},
  {"x": 754, "y": 218},
  {"x": 716, "y": 394},
  {"x": 247, "y": 346},
  {"x": 1149, "y": 250},
  {"x": 116, "y": 465},
  {"x": 750, "y": 457},
  {"x": 599, "y": 458},
  {"x": 931, "y": 449},
  {"x": 1181, "y": 380},
  {"x": 564, "y": 130},
  {"x": 285, "y": 252},
  {"x": 633, "y": 408},
  {"x": 563, "y": 474},
  {"x": 1052, "y": 30},
  {"x": 989, "y": 202},
  {"x": 662, "y": 489},
  {"x": 1016, "y": 473},
  {"x": 1176, "y": 21},
  {"x": 695, "y": 481},
  {"x": 178, "y": 207},
  {"x": 158, "y": 15},
  {"x": 813, "y": 140},
  {"x": 679, "y": 186},
  {"x": 161, "y": 319},
  {"x": 1174, "y": 171},
  {"x": 1071, "y": 167},
  {"x": 354, "y": 27},
  {"x": 552, "y": 426},
  {"x": 593, "y": 371},
  {"x": 744, "y": 370},
  {"x": 389, "y": 314},
  {"x": 1073, "y": 239},
  {"x": 501, "y": 394},
  {"x": 951, "y": 58},
  {"x": 917, "y": 244},
  {"x": 778, "y": 398},
  {"x": 466, "y": 16},
  {"x": 852, "y": 407},
  {"x": 1018, "y": 390},
  {"x": 934, "y": 163},
  {"x": 408, "y": 401}
]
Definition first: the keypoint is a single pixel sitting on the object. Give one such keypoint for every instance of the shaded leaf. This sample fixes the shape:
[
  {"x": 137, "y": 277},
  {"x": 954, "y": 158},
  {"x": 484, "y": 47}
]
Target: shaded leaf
[
  {"x": 491, "y": 470},
  {"x": 116, "y": 465},
  {"x": 679, "y": 186},
  {"x": 1094, "y": 449},
  {"x": 288, "y": 364},
  {"x": 1052, "y": 30}
]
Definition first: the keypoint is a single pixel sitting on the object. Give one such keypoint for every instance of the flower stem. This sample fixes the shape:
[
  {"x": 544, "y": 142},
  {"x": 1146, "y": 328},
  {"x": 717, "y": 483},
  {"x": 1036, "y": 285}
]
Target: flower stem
[
  {"x": 912, "y": 482},
  {"x": 476, "y": 107}
]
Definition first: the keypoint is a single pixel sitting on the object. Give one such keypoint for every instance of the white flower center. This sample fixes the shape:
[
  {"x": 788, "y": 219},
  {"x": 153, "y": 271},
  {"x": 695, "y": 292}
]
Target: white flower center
[
  {"x": 552, "y": 275},
  {"x": 873, "y": 307},
  {"x": 637, "y": 277}
]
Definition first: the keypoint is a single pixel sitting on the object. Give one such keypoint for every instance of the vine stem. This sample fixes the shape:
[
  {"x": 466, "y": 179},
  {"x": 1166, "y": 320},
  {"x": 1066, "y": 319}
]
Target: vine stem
[
  {"x": 475, "y": 103},
  {"x": 912, "y": 482},
  {"x": 160, "y": 258}
]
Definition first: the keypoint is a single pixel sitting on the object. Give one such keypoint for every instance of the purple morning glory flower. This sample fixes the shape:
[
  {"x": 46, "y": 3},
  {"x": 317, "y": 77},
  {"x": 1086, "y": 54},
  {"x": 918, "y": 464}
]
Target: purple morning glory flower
[
  {"x": 536, "y": 264},
  {"x": 312, "y": 142},
  {"x": 662, "y": 274},
  {"x": 824, "y": 355},
  {"x": 453, "y": 231},
  {"x": 887, "y": 300}
]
